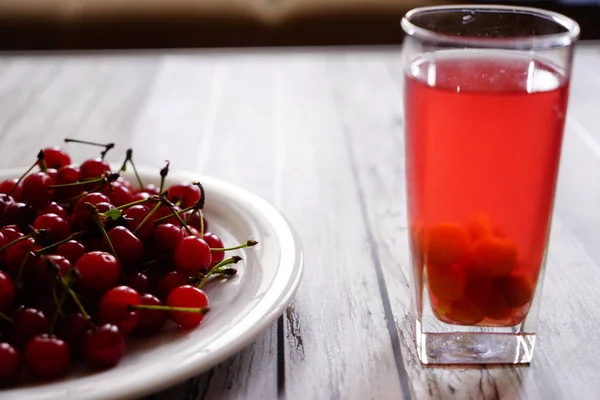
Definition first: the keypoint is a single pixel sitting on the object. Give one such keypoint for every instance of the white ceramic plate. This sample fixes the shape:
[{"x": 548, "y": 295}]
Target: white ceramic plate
[{"x": 241, "y": 308}]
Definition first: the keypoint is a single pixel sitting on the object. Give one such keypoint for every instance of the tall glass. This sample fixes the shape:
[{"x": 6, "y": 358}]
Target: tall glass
[{"x": 486, "y": 90}]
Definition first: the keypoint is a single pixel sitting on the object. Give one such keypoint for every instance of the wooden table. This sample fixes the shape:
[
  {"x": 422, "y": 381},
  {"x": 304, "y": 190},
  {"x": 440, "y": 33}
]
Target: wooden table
[{"x": 319, "y": 134}]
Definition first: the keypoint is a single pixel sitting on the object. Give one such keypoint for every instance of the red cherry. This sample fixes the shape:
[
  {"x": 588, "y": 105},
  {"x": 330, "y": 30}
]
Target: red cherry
[
  {"x": 193, "y": 220},
  {"x": 11, "y": 233},
  {"x": 184, "y": 195},
  {"x": 80, "y": 213},
  {"x": 149, "y": 189},
  {"x": 125, "y": 183},
  {"x": 114, "y": 308},
  {"x": 151, "y": 321},
  {"x": 118, "y": 193},
  {"x": 28, "y": 323},
  {"x": 20, "y": 214},
  {"x": 71, "y": 250},
  {"x": 94, "y": 168},
  {"x": 7, "y": 291},
  {"x": 5, "y": 200},
  {"x": 167, "y": 237},
  {"x": 47, "y": 357},
  {"x": 74, "y": 330},
  {"x": 10, "y": 363},
  {"x": 170, "y": 281},
  {"x": 57, "y": 227},
  {"x": 7, "y": 185},
  {"x": 103, "y": 347},
  {"x": 135, "y": 215},
  {"x": 41, "y": 278},
  {"x": 15, "y": 255},
  {"x": 35, "y": 189},
  {"x": 55, "y": 157},
  {"x": 129, "y": 249},
  {"x": 140, "y": 196},
  {"x": 191, "y": 255},
  {"x": 53, "y": 208},
  {"x": 52, "y": 174},
  {"x": 98, "y": 271},
  {"x": 139, "y": 282},
  {"x": 190, "y": 297},
  {"x": 65, "y": 175},
  {"x": 214, "y": 242},
  {"x": 165, "y": 212}
]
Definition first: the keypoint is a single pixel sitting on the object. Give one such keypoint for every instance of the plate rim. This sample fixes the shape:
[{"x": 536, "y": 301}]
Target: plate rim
[{"x": 178, "y": 373}]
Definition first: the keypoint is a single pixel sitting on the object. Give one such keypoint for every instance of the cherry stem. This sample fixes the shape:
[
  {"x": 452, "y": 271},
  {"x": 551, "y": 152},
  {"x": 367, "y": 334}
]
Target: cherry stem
[
  {"x": 227, "y": 261},
  {"x": 107, "y": 146},
  {"x": 201, "y": 217},
  {"x": 196, "y": 310},
  {"x": 163, "y": 174},
  {"x": 40, "y": 157},
  {"x": 151, "y": 199},
  {"x": 57, "y": 301},
  {"x": 78, "y": 183},
  {"x": 42, "y": 161},
  {"x": 147, "y": 217},
  {"x": 156, "y": 221},
  {"x": 96, "y": 216},
  {"x": 73, "y": 236},
  {"x": 167, "y": 203},
  {"x": 22, "y": 266},
  {"x": 59, "y": 305},
  {"x": 200, "y": 203},
  {"x": 129, "y": 158},
  {"x": 17, "y": 240},
  {"x": 249, "y": 243},
  {"x": 52, "y": 265},
  {"x": 6, "y": 318}
]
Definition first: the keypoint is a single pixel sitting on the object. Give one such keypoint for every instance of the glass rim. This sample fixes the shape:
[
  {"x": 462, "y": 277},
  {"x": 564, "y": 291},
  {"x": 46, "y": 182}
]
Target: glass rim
[{"x": 547, "y": 41}]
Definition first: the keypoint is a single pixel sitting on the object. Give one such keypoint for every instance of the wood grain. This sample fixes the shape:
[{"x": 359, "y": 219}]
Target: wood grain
[{"x": 319, "y": 135}]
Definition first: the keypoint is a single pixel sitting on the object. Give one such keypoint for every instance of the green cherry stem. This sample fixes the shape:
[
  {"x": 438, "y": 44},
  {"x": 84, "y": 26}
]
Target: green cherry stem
[
  {"x": 227, "y": 261},
  {"x": 96, "y": 216},
  {"x": 171, "y": 207},
  {"x": 72, "y": 236},
  {"x": 6, "y": 318},
  {"x": 52, "y": 266},
  {"x": 156, "y": 221},
  {"x": 249, "y": 243},
  {"x": 59, "y": 305},
  {"x": 147, "y": 217},
  {"x": 57, "y": 301},
  {"x": 203, "y": 310},
  {"x": 40, "y": 157},
  {"x": 163, "y": 174},
  {"x": 17, "y": 240},
  {"x": 151, "y": 199}
]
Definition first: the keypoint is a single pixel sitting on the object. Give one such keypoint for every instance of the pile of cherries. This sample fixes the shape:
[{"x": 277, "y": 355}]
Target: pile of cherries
[{"x": 87, "y": 259}]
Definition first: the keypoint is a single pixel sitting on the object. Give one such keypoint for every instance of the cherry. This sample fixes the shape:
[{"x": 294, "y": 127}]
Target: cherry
[
  {"x": 495, "y": 256},
  {"x": 191, "y": 255},
  {"x": 57, "y": 227},
  {"x": 80, "y": 213},
  {"x": 18, "y": 213},
  {"x": 94, "y": 168},
  {"x": 214, "y": 242},
  {"x": 28, "y": 322},
  {"x": 7, "y": 186},
  {"x": 140, "y": 196},
  {"x": 7, "y": 291},
  {"x": 51, "y": 172},
  {"x": 14, "y": 256},
  {"x": 193, "y": 220},
  {"x": 129, "y": 249},
  {"x": 151, "y": 321},
  {"x": 118, "y": 193},
  {"x": 55, "y": 157},
  {"x": 47, "y": 357},
  {"x": 126, "y": 183},
  {"x": 170, "y": 281},
  {"x": 67, "y": 175},
  {"x": 149, "y": 189},
  {"x": 74, "y": 330},
  {"x": 115, "y": 308},
  {"x": 5, "y": 200},
  {"x": 71, "y": 250},
  {"x": 167, "y": 237},
  {"x": 53, "y": 208},
  {"x": 164, "y": 212},
  {"x": 35, "y": 189},
  {"x": 184, "y": 195},
  {"x": 98, "y": 271},
  {"x": 103, "y": 347},
  {"x": 42, "y": 278},
  {"x": 446, "y": 244},
  {"x": 10, "y": 363},
  {"x": 189, "y": 297},
  {"x": 139, "y": 282},
  {"x": 10, "y": 233},
  {"x": 135, "y": 215}
]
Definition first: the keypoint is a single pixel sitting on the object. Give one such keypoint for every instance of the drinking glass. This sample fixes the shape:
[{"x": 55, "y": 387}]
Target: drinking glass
[{"x": 485, "y": 98}]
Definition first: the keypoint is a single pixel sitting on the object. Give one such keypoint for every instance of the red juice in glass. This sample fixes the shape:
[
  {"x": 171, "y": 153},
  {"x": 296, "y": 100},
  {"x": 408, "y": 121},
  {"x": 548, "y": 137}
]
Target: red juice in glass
[{"x": 483, "y": 139}]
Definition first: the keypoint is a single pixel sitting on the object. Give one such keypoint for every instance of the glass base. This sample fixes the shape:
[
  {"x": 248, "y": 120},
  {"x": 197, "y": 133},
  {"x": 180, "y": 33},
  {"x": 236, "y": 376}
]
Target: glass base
[{"x": 474, "y": 347}]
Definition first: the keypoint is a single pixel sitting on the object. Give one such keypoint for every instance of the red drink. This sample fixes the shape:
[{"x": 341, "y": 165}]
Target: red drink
[{"x": 483, "y": 140}]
